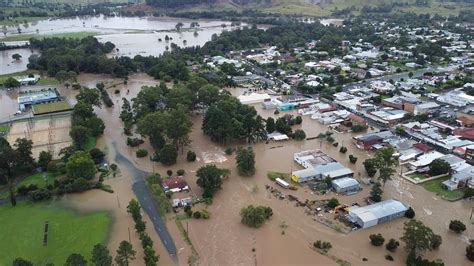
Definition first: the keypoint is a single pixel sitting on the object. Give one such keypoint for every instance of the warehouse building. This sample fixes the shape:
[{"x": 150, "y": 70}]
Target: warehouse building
[
  {"x": 318, "y": 166},
  {"x": 346, "y": 185},
  {"x": 377, "y": 213}
]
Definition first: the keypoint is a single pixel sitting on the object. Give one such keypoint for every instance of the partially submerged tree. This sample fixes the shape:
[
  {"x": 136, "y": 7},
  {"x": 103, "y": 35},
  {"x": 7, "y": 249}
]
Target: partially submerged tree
[
  {"x": 209, "y": 179},
  {"x": 385, "y": 162},
  {"x": 245, "y": 161},
  {"x": 125, "y": 253},
  {"x": 255, "y": 216}
]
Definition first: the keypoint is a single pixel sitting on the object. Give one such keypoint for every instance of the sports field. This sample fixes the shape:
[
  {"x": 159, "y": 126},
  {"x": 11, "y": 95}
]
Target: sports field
[
  {"x": 22, "y": 232},
  {"x": 53, "y": 107}
]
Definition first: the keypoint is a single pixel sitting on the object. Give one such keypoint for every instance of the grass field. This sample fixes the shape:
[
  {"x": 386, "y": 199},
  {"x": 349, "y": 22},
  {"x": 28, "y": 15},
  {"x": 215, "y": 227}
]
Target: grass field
[
  {"x": 22, "y": 233},
  {"x": 42, "y": 180},
  {"x": 26, "y": 37},
  {"x": 435, "y": 186},
  {"x": 51, "y": 107},
  {"x": 90, "y": 144},
  {"x": 274, "y": 175}
]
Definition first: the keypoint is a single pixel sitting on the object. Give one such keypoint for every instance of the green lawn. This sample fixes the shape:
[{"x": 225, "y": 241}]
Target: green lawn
[
  {"x": 4, "y": 129},
  {"x": 417, "y": 176},
  {"x": 22, "y": 233},
  {"x": 274, "y": 175},
  {"x": 51, "y": 107},
  {"x": 42, "y": 180},
  {"x": 435, "y": 186},
  {"x": 26, "y": 37},
  {"x": 90, "y": 144}
]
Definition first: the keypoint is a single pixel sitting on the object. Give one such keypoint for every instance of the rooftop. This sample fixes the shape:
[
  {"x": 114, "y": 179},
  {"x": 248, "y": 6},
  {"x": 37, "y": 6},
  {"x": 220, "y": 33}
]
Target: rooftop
[{"x": 378, "y": 210}]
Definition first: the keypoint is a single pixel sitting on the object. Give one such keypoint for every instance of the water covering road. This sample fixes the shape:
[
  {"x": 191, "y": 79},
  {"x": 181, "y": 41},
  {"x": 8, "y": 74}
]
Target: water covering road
[{"x": 145, "y": 198}]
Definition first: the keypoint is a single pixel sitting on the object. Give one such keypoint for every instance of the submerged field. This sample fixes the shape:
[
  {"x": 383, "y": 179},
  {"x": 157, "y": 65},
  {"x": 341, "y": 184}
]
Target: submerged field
[{"x": 22, "y": 233}]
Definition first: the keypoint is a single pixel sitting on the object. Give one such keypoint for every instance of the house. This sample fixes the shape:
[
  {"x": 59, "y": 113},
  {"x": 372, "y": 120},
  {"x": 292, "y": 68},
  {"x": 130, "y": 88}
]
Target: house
[
  {"x": 175, "y": 184},
  {"x": 377, "y": 213},
  {"x": 460, "y": 179},
  {"x": 422, "y": 163},
  {"x": 466, "y": 119},
  {"x": 357, "y": 120},
  {"x": 366, "y": 141},
  {"x": 346, "y": 185},
  {"x": 37, "y": 97}
]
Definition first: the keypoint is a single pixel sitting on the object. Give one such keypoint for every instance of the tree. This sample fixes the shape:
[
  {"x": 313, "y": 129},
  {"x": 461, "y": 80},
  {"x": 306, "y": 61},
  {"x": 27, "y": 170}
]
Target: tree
[
  {"x": 376, "y": 239},
  {"x": 352, "y": 159},
  {"x": 417, "y": 237},
  {"x": 191, "y": 156},
  {"x": 370, "y": 167},
  {"x": 8, "y": 162},
  {"x": 245, "y": 161},
  {"x": 376, "y": 192},
  {"x": 299, "y": 134},
  {"x": 153, "y": 126},
  {"x": 470, "y": 251},
  {"x": 439, "y": 167},
  {"x": 392, "y": 245},
  {"x": 168, "y": 154},
  {"x": 125, "y": 253},
  {"x": 79, "y": 136},
  {"x": 207, "y": 95},
  {"x": 16, "y": 56},
  {"x": 80, "y": 165},
  {"x": 178, "y": 126},
  {"x": 101, "y": 256},
  {"x": 209, "y": 178},
  {"x": 151, "y": 259},
  {"x": 410, "y": 213},
  {"x": 179, "y": 25},
  {"x": 22, "y": 262},
  {"x": 75, "y": 260},
  {"x": 255, "y": 216},
  {"x": 270, "y": 125},
  {"x": 23, "y": 149},
  {"x": 89, "y": 96},
  {"x": 11, "y": 83},
  {"x": 44, "y": 158},
  {"x": 385, "y": 163},
  {"x": 282, "y": 126},
  {"x": 332, "y": 203},
  {"x": 457, "y": 226},
  {"x": 436, "y": 241}
]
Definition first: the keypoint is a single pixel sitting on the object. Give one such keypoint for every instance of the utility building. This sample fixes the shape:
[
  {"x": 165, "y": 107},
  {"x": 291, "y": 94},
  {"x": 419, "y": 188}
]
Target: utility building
[
  {"x": 346, "y": 185},
  {"x": 377, "y": 213}
]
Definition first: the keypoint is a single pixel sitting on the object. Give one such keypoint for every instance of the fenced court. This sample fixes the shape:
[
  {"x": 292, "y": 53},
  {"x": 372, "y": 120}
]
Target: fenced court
[{"x": 48, "y": 133}]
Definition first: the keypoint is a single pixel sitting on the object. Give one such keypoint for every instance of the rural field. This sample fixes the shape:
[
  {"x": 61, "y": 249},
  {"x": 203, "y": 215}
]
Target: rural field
[{"x": 22, "y": 232}]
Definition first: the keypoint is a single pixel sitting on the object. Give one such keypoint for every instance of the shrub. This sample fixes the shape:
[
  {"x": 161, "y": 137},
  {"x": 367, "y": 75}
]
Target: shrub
[
  {"x": 180, "y": 172},
  {"x": 457, "y": 226},
  {"x": 255, "y": 216},
  {"x": 141, "y": 153},
  {"x": 205, "y": 214},
  {"x": 376, "y": 239},
  {"x": 332, "y": 203},
  {"x": 298, "y": 120},
  {"x": 169, "y": 172},
  {"x": 470, "y": 251},
  {"x": 410, "y": 213},
  {"x": 389, "y": 257},
  {"x": 191, "y": 156},
  {"x": 117, "y": 91},
  {"x": 343, "y": 149},
  {"x": 188, "y": 211},
  {"x": 276, "y": 112},
  {"x": 40, "y": 194},
  {"x": 229, "y": 150},
  {"x": 299, "y": 134},
  {"x": 392, "y": 245},
  {"x": 322, "y": 245},
  {"x": 114, "y": 167},
  {"x": 134, "y": 142},
  {"x": 352, "y": 159},
  {"x": 97, "y": 155},
  {"x": 436, "y": 241},
  {"x": 330, "y": 139},
  {"x": 335, "y": 144},
  {"x": 52, "y": 167},
  {"x": 197, "y": 215}
]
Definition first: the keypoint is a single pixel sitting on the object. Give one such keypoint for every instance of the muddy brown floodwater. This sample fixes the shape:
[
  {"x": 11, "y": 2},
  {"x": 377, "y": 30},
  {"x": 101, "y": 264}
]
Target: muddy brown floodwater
[
  {"x": 9, "y": 65},
  {"x": 223, "y": 240}
]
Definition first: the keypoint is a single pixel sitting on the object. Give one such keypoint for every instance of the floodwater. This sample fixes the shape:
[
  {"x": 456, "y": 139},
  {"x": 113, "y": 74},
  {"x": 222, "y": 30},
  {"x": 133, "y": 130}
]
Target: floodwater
[
  {"x": 223, "y": 240},
  {"x": 131, "y": 35},
  {"x": 9, "y": 65}
]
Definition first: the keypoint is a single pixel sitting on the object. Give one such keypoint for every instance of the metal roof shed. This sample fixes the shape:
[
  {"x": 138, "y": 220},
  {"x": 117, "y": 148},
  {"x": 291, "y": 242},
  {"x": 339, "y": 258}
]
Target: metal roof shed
[{"x": 377, "y": 213}]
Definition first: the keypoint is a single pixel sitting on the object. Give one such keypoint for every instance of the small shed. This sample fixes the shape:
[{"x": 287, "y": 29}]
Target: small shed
[{"x": 346, "y": 185}]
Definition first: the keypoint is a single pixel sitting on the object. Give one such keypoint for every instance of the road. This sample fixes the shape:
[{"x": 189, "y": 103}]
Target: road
[{"x": 147, "y": 203}]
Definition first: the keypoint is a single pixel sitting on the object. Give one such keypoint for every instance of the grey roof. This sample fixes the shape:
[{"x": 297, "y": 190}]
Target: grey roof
[
  {"x": 345, "y": 182},
  {"x": 378, "y": 210},
  {"x": 451, "y": 159}
]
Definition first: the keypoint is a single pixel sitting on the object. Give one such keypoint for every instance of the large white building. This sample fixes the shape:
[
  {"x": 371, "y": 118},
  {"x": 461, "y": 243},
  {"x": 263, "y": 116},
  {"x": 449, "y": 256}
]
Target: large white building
[{"x": 377, "y": 213}]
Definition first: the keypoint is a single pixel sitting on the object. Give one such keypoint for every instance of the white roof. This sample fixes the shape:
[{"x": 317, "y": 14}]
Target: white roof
[
  {"x": 378, "y": 210},
  {"x": 427, "y": 158},
  {"x": 345, "y": 182}
]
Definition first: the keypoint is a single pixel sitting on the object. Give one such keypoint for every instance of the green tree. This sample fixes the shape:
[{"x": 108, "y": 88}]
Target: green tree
[
  {"x": 385, "y": 163},
  {"x": 392, "y": 245},
  {"x": 439, "y": 167},
  {"x": 134, "y": 209},
  {"x": 8, "y": 162},
  {"x": 81, "y": 165},
  {"x": 208, "y": 95},
  {"x": 191, "y": 156},
  {"x": 44, "y": 158},
  {"x": 178, "y": 126},
  {"x": 332, "y": 203},
  {"x": 209, "y": 178},
  {"x": 299, "y": 134},
  {"x": 16, "y": 56},
  {"x": 410, "y": 213},
  {"x": 89, "y": 96},
  {"x": 23, "y": 149},
  {"x": 370, "y": 167},
  {"x": 270, "y": 125},
  {"x": 11, "y": 83},
  {"x": 457, "y": 226},
  {"x": 151, "y": 259},
  {"x": 168, "y": 154},
  {"x": 75, "y": 260},
  {"x": 22, "y": 262},
  {"x": 153, "y": 125},
  {"x": 101, "y": 256},
  {"x": 376, "y": 192},
  {"x": 470, "y": 251},
  {"x": 179, "y": 25},
  {"x": 376, "y": 239},
  {"x": 255, "y": 216},
  {"x": 417, "y": 237},
  {"x": 125, "y": 253},
  {"x": 79, "y": 136},
  {"x": 282, "y": 126},
  {"x": 245, "y": 161}
]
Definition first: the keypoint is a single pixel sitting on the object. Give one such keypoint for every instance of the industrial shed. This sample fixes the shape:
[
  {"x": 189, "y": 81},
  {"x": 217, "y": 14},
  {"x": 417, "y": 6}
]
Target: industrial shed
[
  {"x": 346, "y": 185},
  {"x": 377, "y": 213}
]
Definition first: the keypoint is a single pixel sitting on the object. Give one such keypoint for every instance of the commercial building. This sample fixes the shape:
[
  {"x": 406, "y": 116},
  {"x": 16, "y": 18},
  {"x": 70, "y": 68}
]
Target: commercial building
[
  {"x": 367, "y": 141},
  {"x": 346, "y": 185},
  {"x": 38, "y": 97},
  {"x": 377, "y": 213},
  {"x": 318, "y": 166}
]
